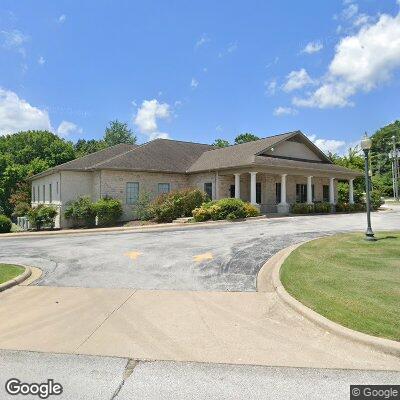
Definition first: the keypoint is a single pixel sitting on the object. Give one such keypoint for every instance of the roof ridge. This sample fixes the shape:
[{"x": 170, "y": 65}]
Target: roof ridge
[
  {"x": 252, "y": 141},
  {"x": 118, "y": 155},
  {"x": 180, "y": 141}
]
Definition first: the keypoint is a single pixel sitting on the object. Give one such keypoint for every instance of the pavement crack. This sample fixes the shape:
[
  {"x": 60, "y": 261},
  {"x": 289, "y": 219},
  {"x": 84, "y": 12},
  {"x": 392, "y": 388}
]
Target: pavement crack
[
  {"x": 104, "y": 320},
  {"x": 129, "y": 367}
]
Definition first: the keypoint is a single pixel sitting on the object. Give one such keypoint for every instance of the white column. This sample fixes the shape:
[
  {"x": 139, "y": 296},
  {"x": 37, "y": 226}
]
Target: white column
[
  {"x": 331, "y": 191},
  {"x": 283, "y": 189},
  {"x": 309, "y": 190},
  {"x": 283, "y": 206},
  {"x": 237, "y": 186},
  {"x": 351, "y": 191},
  {"x": 253, "y": 187}
]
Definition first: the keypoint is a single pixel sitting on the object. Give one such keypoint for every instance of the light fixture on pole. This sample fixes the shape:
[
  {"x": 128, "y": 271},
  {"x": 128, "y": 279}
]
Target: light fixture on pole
[{"x": 366, "y": 144}]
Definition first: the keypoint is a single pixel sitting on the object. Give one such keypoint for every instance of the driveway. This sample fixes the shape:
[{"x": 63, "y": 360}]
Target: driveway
[
  {"x": 94, "y": 297},
  {"x": 224, "y": 257}
]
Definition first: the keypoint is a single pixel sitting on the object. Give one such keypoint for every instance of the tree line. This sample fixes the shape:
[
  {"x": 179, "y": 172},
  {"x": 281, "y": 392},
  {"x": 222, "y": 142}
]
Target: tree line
[{"x": 24, "y": 154}]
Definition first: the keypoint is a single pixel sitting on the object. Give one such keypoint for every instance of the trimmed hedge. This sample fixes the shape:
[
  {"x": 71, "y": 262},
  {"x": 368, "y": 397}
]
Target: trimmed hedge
[
  {"x": 325, "y": 208},
  {"x": 225, "y": 209},
  {"x": 42, "y": 216},
  {"x": 177, "y": 204},
  {"x": 5, "y": 224},
  {"x": 81, "y": 212},
  {"x": 108, "y": 211}
]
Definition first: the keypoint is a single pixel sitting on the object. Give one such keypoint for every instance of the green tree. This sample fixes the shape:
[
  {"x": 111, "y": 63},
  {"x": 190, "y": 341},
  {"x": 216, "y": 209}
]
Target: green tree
[
  {"x": 83, "y": 147},
  {"x": 220, "y": 143},
  {"x": 24, "y": 154},
  {"x": 245, "y": 137},
  {"x": 118, "y": 132}
]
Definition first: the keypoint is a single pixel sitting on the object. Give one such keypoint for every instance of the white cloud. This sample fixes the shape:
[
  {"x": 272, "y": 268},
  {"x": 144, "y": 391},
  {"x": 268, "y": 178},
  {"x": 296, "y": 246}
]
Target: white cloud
[
  {"x": 297, "y": 80},
  {"x": 41, "y": 60},
  {"x": 270, "y": 87},
  {"x": 14, "y": 40},
  {"x": 202, "y": 41},
  {"x": 147, "y": 115},
  {"x": 67, "y": 128},
  {"x": 194, "y": 83},
  {"x": 282, "y": 111},
  {"x": 350, "y": 11},
  {"x": 17, "y": 114},
  {"x": 328, "y": 145},
  {"x": 232, "y": 47},
  {"x": 362, "y": 62},
  {"x": 61, "y": 19},
  {"x": 313, "y": 47}
]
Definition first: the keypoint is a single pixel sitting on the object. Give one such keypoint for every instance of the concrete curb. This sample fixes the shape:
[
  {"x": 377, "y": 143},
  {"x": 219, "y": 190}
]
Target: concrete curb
[
  {"x": 16, "y": 281},
  {"x": 128, "y": 229},
  {"x": 272, "y": 269}
]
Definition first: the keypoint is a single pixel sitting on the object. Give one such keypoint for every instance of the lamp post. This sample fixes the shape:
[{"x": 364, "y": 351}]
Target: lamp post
[{"x": 366, "y": 144}]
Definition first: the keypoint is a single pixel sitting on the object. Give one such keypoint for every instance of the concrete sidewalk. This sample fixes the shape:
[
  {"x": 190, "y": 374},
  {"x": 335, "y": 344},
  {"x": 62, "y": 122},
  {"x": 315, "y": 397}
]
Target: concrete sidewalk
[{"x": 218, "y": 327}]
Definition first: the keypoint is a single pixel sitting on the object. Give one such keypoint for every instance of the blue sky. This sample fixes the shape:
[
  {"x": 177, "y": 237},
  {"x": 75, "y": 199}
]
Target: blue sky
[{"x": 201, "y": 70}]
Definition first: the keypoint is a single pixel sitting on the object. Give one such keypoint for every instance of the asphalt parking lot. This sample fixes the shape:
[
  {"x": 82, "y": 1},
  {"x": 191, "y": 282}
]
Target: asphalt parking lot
[{"x": 223, "y": 257}]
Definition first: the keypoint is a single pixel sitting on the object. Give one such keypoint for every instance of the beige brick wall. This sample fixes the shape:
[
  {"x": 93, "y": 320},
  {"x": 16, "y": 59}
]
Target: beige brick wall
[{"x": 113, "y": 184}]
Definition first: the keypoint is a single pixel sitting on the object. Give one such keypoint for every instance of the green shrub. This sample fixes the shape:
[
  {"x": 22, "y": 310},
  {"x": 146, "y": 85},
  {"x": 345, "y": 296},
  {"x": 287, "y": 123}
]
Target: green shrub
[
  {"x": 251, "y": 210},
  {"x": 142, "y": 209},
  {"x": 173, "y": 205},
  {"x": 108, "y": 211},
  {"x": 376, "y": 199},
  {"x": 21, "y": 209},
  {"x": 81, "y": 211},
  {"x": 5, "y": 224},
  {"x": 302, "y": 208},
  {"x": 322, "y": 208},
  {"x": 42, "y": 216},
  {"x": 228, "y": 208}
]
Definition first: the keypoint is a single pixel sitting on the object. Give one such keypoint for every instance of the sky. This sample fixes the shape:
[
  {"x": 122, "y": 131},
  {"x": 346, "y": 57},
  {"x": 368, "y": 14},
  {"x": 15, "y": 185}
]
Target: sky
[{"x": 197, "y": 71}]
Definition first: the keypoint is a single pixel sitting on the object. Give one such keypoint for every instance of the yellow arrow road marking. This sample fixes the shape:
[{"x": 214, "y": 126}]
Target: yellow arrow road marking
[
  {"x": 133, "y": 255},
  {"x": 203, "y": 257}
]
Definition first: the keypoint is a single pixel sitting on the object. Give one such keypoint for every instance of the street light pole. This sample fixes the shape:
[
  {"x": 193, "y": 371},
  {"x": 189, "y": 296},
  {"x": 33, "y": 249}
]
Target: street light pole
[
  {"x": 366, "y": 144},
  {"x": 395, "y": 168}
]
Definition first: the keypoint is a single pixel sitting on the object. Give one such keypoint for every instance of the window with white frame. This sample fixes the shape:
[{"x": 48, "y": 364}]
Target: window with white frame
[
  {"x": 132, "y": 192},
  {"x": 50, "y": 193},
  {"x": 33, "y": 193},
  {"x": 44, "y": 193},
  {"x": 164, "y": 188}
]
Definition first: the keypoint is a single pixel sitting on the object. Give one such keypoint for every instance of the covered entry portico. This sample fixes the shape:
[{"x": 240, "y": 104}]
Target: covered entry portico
[{"x": 275, "y": 190}]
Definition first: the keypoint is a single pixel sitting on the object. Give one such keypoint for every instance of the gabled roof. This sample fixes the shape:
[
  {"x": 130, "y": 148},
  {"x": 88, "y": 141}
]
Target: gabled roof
[
  {"x": 88, "y": 161},
  {"x": 244, "y": 154},
  {"x": 161, "y": 155}
]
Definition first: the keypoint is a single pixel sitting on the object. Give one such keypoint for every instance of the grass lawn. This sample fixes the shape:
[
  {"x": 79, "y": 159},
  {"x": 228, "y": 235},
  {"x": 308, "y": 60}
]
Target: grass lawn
[
  {"x": 350, "y": 281},
  {"x": 9, "y": 271}
]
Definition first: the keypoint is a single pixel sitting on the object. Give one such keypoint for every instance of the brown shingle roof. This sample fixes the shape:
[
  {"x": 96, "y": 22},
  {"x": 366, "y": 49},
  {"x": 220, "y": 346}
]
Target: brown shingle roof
[
  {"x": 86, "y": 162},
  {"x": 236, "y": 155},
  {"x": 162, "y": 155}
]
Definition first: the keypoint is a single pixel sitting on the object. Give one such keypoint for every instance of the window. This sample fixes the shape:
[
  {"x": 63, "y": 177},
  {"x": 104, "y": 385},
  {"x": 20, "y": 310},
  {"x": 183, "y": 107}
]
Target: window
[
  {"x": 232, "y": 191},
  {"x": 278, "y": 192},
  {"x": 208, "y": 189},
  {"x": 50, "y": 193},
  {"x": 325, "y": 193},
  {"x": 38, "y": 194},
  {"x": 44, "y": 193},
  {"x": 163, "y": 188},
  {"x": 132, "y": 192},
  {"x": 33, "y": 194},
  {"x": 258, "y": 192},
  {"x": 301, "y": 193}
]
